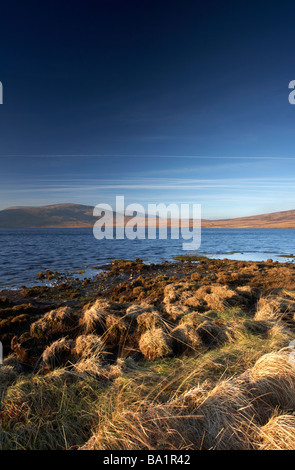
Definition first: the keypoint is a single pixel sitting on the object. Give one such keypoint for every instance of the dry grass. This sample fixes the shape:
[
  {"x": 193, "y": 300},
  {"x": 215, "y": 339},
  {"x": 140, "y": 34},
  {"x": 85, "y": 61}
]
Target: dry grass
[
  {"x": 155, "y": 343},
  {"x": 55, "y": 321},
  {"x": 216, "y": 297},
  {"x": 279, "y": 335},
  {"x": 185, "y": 339},
  {"x": 134, "y": 310},
  {"x": 176, "y": 311},
  {"x": 8, "y": 373},
  {"x": 222, "y": 418},
  {"x": 225, "y": 417},
  {"x": 275, "y": 307},
  {"x": 93, "y": 317},
  {"x": 116, "y": 329},
  {"x": 58, "y": 353},
  {"x": 88, "y": 346},
  {"x": 90, "y": 349},
  {"x": 55, "y": 411},
  {"x": 278, "y": 433},
  {"x": 210, "y": 379},
  {"x": 150, "y": 320},
  {"x": 156, "y": 428},
  {"x": 235, "y": 413},
  {"x": 273, "y": 380}
]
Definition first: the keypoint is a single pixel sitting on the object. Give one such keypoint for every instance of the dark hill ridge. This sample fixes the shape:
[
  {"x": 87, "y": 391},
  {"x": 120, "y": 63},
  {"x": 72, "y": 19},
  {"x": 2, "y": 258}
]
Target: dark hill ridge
[
  {"x": 81, "y": 216},
  {"x": 57, "y": 215},
  {"x": 52, "y": 216}
]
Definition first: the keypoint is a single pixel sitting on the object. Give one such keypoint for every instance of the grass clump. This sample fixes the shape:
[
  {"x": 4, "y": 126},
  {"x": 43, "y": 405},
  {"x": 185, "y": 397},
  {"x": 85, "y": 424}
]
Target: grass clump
[
  {"x": 278, "y": 433},
  {"x": 191, "y": 364},
  {"x": 55, "y": 321},
  {"x": 91, "y": 352},
  {"x": 59, "y": 353},
  {"x": 55, "y": 411},
  {"x": 155, "y": 343}
]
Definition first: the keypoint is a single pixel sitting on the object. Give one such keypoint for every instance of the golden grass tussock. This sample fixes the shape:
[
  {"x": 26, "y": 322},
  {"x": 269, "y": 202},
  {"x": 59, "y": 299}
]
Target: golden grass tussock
[
  {"x": 55, "y": 321},
  {"x": 154, "y": 428},
  {"x": 275, "y": 307},
  {"x": 278, "y": 433},
  {"x": 185, "y": 339},
  {"x": 48, "y": 412},
  {"x": 172, "y": 292},
  {"x": 279, "y": 335},
  {"x": 93, "y": 316},
  {"x": 273, "y": 380},
  {"x": 155, "y": 343},
  {"x": 227, "y": 417},
  {"x": 215, "y": 297},
  {"x": 90, "y": 349},
  {"x": 211, "y": 333},
  {"x": 221, "y": 418},
  {"x": 175, "y": 311},
  {"x": 116, "y": 329},
  {"x": 150, "y": 320},
  {"x": 89, "y": 346},
  {"x": 59, "y": 353},
  {"x": 221, "y": 297},
  {"x": 211, "y": 330},
  {"x": 136, "y": 309}
]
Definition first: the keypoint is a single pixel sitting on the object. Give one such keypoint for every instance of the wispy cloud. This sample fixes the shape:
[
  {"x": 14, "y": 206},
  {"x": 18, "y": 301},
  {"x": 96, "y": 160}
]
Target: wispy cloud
[{"x": 90, "y": 184}]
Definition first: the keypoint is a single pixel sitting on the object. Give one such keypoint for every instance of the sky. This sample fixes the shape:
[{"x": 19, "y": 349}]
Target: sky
[{"x": 159, "y": 101}]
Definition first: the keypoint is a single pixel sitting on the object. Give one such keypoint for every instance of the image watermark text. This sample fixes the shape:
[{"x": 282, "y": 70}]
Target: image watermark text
[{"x": 159, "y": 221}]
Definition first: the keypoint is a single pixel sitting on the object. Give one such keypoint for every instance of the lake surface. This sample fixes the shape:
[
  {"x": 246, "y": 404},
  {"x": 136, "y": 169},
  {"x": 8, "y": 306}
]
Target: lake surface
[{"x": 25, "y": 252}]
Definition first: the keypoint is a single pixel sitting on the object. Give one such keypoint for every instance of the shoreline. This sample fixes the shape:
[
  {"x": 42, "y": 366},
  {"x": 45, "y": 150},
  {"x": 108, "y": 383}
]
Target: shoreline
[
  {"x": 84, "y": 273},
  {"x": 128, "y": 282},
  {"x": 143, "y": 339},
  {"x": 182, "y": 263}
]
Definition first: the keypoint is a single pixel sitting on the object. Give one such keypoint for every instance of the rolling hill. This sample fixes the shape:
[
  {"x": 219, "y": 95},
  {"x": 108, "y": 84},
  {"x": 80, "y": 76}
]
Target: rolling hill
[{"x": 81, "y": 216}]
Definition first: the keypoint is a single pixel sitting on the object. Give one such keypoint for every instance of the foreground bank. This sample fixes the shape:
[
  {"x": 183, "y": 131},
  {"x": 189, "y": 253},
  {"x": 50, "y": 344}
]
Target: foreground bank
[{"x": 184, "y": 355}]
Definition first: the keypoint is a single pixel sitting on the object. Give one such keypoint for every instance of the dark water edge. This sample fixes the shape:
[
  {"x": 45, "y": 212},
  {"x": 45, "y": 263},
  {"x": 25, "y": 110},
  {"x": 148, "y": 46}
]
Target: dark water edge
[{"x": 26, "y": 252}]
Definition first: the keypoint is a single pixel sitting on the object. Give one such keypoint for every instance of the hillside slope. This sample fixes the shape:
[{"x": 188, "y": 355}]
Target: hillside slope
[{"x": 80, "y": 216}]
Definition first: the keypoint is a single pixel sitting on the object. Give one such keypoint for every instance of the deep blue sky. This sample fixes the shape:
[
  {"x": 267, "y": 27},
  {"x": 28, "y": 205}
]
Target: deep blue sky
[{"x": 160, "y": 101}]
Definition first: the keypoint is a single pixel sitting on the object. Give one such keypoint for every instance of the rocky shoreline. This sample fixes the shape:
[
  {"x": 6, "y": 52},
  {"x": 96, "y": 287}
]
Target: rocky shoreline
[
  {"x": 157, "y": 345},
  {"x": 195, "y": 286}
]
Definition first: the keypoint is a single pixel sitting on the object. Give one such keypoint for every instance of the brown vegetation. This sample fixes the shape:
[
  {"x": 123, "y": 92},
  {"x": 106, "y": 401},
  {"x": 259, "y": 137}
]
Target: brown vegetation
[{"x": 195, "y": 364}]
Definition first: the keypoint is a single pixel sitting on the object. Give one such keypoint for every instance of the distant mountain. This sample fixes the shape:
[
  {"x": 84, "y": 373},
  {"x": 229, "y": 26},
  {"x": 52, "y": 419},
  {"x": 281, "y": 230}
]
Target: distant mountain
[
  {"x": 284, "y": 219},
  {"x": 54, "y": 216},
  {"x": 80, "y": 216},
  {"x": 57, "y": 215}
]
